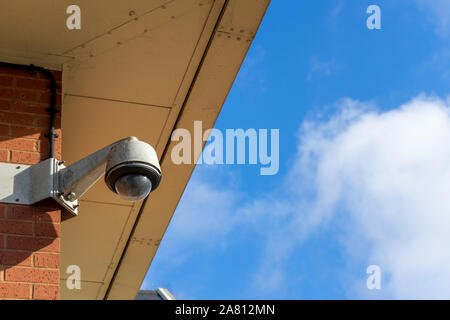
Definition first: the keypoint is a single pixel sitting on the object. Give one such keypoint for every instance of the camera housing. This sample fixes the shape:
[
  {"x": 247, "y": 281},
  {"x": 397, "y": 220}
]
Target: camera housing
[{"x": 132, "y": 170}]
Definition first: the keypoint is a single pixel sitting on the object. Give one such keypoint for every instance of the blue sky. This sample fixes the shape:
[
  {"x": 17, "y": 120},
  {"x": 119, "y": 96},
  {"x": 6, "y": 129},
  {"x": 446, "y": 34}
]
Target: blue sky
[{"x": 364, "y": 121}]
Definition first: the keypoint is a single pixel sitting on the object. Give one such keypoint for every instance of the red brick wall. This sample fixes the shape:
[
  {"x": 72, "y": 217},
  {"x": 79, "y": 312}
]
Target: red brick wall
[
  {"x": 29, "y": 251},
  {"x": 29, "y": 235},
  {"x": 24, "y": 120}
]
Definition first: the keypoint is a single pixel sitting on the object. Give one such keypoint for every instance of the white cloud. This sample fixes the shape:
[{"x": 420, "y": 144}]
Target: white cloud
[
  {"x": 383, "y": 176},
  {"x": 386, "y": 177},
  {"x": 390, "y": 172}
]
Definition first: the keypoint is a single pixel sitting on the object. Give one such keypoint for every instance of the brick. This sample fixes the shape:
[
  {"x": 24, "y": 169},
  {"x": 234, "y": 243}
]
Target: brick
[
  {"x": 7, "y": 93},
  {"x": 18, "y": 94},
  {"x": 32, "y": 243},
  {"x": 28, "y": 132},
  {"x": 29, "y": 83},
  {"x": 29, "y": 235},
  {"x": 15, "y": 258},
  {"x": 58, "y": 76},
  {"x": 47, "y": 230},
  {"x": 15, "y": 290},
  {"x": 45, "y": 98},
  {"x": 44, "y": 122},
  {"x": 5, "y": 104},
  {"x": 14, "y": 118},
  {"x": 4, "y": 130},
  {"x": 17, "y": 212},
  {"x": 44, "y": 211},
  {"x": 58, "y": 146},
  {"x": 3, "y": 209},
  {"x": 59, "y": 137},
  {"x": 58, "y": 150},
  {"x": 18, "y": 72},
  {"x": 47, "y": 205},
  {"x": 4, "y": 155},
  {"x": 28, "y": 107},
  {"x": 6, "y": 80},
  {"x": 34, "y": 275},
  {"x": 43, "y": 146},
  {"x": 45, "y": 292},
  {"x": 46, "y": 215},
  {"x": 23, "y": 157},
  {"x": 16, "y": 227},
  {"x": 46, "y": 260},
  {"x": 18, "y": 144}
]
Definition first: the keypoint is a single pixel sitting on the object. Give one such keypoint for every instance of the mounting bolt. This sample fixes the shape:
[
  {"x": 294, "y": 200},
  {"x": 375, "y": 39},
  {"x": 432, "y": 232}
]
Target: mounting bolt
[{"x": 71, "y": 196}]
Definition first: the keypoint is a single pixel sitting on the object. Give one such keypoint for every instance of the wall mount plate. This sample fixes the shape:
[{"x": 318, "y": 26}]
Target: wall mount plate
[{"x": 27, "y": 185}]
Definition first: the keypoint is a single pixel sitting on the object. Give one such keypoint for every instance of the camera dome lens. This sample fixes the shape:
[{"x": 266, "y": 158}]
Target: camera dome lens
[{"x": 133, "y": 187}]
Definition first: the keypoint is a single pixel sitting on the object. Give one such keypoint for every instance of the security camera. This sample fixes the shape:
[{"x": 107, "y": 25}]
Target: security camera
[
  {"x": 130, "y": 166},
  {"x": 131, "y": 169}
]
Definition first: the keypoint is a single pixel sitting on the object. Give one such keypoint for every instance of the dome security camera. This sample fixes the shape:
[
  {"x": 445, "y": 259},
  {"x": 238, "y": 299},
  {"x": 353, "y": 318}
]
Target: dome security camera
[
  {"x": 130, "y": 166},
  {"x": 132, "y": 170}
]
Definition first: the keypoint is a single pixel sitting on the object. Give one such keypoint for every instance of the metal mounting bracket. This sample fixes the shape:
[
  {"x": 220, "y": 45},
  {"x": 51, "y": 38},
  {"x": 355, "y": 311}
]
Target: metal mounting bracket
[{"x": 25, "y": 184}]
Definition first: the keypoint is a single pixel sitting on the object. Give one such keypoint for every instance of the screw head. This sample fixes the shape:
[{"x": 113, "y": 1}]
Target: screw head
[{"x": 71, "y": 196}]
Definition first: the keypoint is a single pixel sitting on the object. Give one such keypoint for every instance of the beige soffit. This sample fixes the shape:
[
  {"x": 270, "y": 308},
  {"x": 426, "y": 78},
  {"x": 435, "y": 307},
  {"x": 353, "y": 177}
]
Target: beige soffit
[{"x": 136, "y": 68}]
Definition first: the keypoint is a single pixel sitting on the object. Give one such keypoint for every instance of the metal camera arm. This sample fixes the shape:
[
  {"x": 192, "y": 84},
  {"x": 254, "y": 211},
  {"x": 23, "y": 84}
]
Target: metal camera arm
[
  {"x": 77, "y": 178},
  {"x": 25, "y": 184}
]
